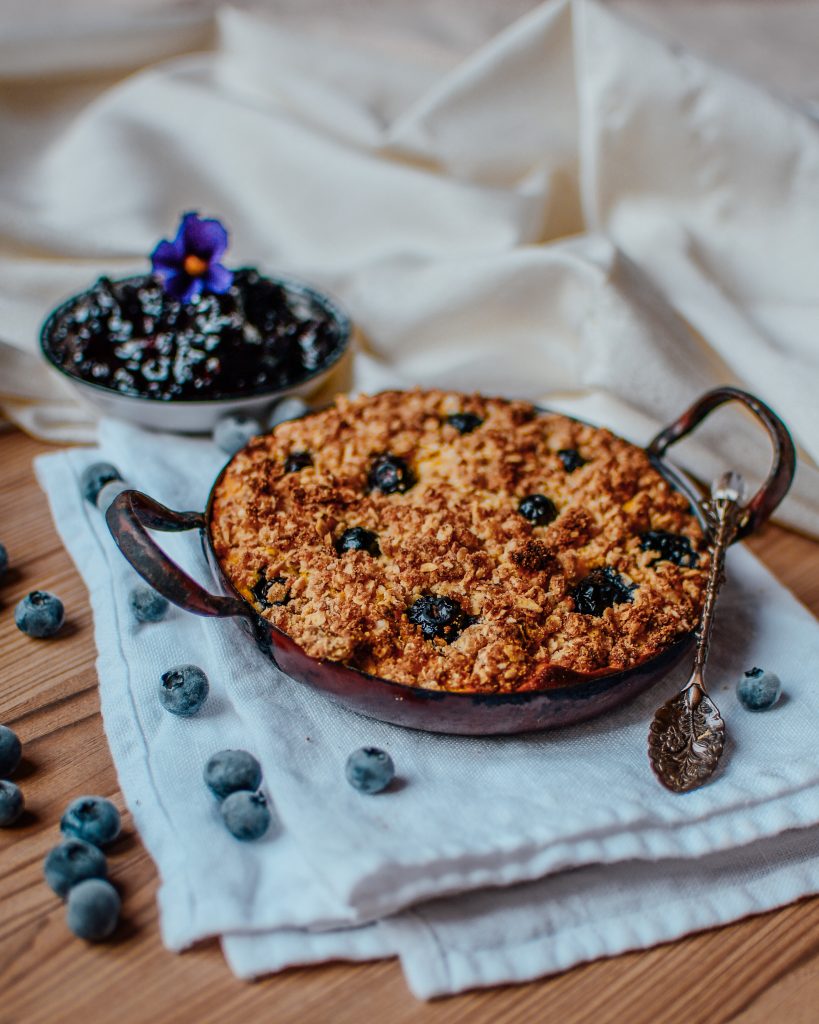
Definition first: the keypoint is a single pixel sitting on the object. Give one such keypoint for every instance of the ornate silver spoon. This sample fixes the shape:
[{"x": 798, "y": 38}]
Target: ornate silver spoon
[{"x": 687, "y": 736}]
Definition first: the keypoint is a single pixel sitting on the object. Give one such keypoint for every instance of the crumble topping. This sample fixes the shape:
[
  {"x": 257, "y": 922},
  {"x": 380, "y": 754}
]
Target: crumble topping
[{"x": 400, "y": 547}]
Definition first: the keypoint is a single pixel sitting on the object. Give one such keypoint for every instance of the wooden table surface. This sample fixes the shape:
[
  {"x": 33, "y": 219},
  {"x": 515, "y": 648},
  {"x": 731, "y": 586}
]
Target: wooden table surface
[{"x": 763, "y": 969}]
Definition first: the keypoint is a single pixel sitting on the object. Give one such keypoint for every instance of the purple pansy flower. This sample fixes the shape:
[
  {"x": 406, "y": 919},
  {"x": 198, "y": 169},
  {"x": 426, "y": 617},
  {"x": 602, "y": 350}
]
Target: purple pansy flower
[{"x": 189, "y": 264}]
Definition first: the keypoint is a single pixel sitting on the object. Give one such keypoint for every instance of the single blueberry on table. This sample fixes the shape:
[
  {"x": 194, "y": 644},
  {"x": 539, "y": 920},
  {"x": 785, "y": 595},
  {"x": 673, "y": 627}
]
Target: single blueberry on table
[
  {"x": 183, "y": 690},
  {"x": 147, "y": 605},
  {"x": 11, "y": 803},
  {"x": 538, "y": 509},
  {"x": 464, "y": 422},
  {"x": 390, "y": 474},
  {"x": 71, "y": 862},
  {"x": 93, "y": 819},
  {"x": 670, "y": 547},
  {"x": 601, "y": 589},
  {"x": 356, "y": 538},
  {"x": 286, "y": 409},
  {"x": 93, "y": 909},
  {"x": 230, "y": 771},
  {"x": 4, "y": 560},
  {"x": 95, "y": 477},
  {"x": 369, "y": 770},
  {"x": 571, "y": 459},
  {"x": 39, "y": 614},
  {"x": 246, "y": 814},
  {"x": 296, "y": 461},
  {"x": 233, "y": 432},
  {"x": 759, "y": 689},
  {"x": 11, "y": 750},
  {"x": 439, "y": 616}
]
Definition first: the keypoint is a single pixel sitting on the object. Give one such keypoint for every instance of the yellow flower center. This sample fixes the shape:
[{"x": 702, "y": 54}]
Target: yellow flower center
[{"x": 194, "y": 266}]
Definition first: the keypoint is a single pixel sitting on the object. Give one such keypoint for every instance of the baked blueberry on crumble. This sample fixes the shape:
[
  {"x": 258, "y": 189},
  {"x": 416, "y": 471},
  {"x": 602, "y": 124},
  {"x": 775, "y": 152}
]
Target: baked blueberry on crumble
[
  {"x": 358, "y": 539},
  {"x": 192, "y": 329},
  {"x": 296, "y": 461},
  {"x": 439, "y": 616},
  {"x": 673, "y": 547},
  {"x": 464, "y": 561},
  {"x": 602, "y": 588},
  {"x": 390, "y": 474},
  {"x": 464, "y": 422},
  {"x": 269, "y": 592},
  {"x": 538, "y": 509},
  {"x": 571, "y": 459}
]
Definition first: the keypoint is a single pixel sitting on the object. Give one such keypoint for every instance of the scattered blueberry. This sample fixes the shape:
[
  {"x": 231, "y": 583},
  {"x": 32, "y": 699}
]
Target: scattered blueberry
[
  {"x": 758, "y": 689},
  {"x": 233, "y": 432},
  {"x": 538, "y": 509},
  {"x": 93, "y": 819},
  {"x": 286, "y": 409},
  {"x": 356, "y": 538},
  {"x": 39, "y": 614},
  {"x": 601, "y": 589},
  {"x": 4, "y": 560},
  {"x": 108, "y": 492},
  {"x": 571, "y": 459},
  {"x": 183, "y": 690},
  {"x": 11, "y": 751},
  {"x": 11, "y": 803},
  {"x": 297, "y": 461},
  {"x": 464, "y": 422},
  {"x": 71, "y": 862},
  {"x": 246, "y": 814},
  {"x": 147, "y": 605},
  {"x": 262, "y": 588},
  {"x": 390, "y": 473},
  {"x": 95, "y": 477},
  {"x": 369, "y": 770},
  {"x": 93, "y": 909},
  {"x": 439, "y": 616},
  {"x": 230, "y": 771},
  {"x": 673, "y": 547}
]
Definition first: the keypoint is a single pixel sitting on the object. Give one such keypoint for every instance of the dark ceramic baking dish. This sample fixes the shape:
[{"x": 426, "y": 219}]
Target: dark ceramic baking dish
[{"x": 567, "y": 697}]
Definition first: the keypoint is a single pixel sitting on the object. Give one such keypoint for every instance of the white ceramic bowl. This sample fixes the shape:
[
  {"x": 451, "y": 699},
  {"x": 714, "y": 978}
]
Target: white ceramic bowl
[{"x": 192, "y": 416}]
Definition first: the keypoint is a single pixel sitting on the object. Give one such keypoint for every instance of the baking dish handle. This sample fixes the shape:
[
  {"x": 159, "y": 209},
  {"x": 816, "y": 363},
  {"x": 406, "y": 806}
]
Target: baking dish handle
[
  {"x": 783, "y": 465},
  {"x": 129, "y": 517}
]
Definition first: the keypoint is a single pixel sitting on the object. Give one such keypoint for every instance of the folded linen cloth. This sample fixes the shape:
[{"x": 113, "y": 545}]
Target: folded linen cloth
[
  {"x": 470, "y": 813},
  {"x": 575, "y": 207}
]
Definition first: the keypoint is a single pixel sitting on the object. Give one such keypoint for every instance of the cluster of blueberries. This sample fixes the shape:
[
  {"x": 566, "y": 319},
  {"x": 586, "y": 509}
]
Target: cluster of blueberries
[
  {"x": 137, "y": 338},
  {"x": 77, "y": 869},
  {"x": 234, "y": 778}
]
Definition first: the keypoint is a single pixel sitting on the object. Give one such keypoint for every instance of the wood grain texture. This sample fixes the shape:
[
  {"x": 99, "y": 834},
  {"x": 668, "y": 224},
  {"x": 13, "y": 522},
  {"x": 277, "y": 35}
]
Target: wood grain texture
[{"x": 763, "y": 969}]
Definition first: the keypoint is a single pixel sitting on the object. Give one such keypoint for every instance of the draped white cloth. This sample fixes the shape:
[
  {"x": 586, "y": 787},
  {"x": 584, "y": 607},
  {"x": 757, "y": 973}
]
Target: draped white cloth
[
  {"x": 577, "y": 212},
  {"x": 494, "y": 859}
]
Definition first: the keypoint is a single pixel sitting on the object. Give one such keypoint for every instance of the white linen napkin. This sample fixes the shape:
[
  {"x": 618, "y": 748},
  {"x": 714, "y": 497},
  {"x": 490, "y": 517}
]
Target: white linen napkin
[
  {"x": 469, "y": 813},
  {"x": 575, "y": 207}
]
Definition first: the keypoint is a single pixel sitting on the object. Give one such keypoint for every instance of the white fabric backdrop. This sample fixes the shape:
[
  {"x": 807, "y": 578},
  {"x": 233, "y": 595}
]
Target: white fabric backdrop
[{"x": 575, "y": 210}]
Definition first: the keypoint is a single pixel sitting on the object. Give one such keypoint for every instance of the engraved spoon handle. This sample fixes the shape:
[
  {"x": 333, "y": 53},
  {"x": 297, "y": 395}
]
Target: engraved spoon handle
[
  {"x": 687, "y": 734},
  {"x": 724, "y": 511}
]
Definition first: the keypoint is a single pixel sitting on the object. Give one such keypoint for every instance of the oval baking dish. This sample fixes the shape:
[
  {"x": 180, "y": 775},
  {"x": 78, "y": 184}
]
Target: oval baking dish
[{"x": 566, "y": 696}]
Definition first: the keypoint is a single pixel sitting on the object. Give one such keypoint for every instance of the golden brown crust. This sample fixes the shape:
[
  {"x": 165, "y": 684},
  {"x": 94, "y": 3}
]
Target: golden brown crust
[{"x": 456, "y": 532}]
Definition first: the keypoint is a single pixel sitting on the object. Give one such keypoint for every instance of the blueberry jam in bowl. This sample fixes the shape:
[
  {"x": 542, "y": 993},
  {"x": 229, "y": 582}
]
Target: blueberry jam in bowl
[{"x": 181, "y": 347}]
